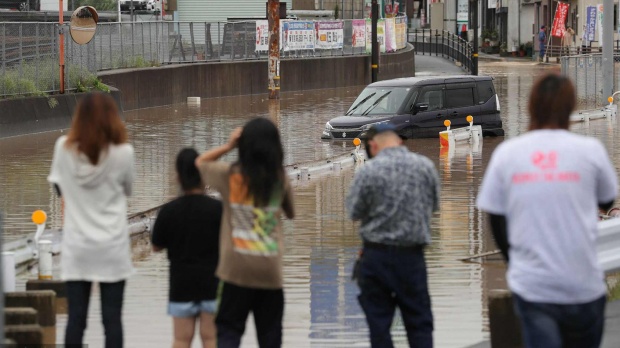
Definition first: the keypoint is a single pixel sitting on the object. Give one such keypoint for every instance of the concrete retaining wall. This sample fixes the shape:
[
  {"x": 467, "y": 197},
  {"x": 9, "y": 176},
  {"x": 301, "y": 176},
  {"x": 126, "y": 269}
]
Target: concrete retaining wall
[
  {"x": 149, "y": 87},
  {"x": 40, "y": 114}
]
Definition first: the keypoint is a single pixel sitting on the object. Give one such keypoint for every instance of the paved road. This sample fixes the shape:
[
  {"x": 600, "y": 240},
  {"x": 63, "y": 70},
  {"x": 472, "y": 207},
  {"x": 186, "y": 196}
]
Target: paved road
[{"x": 430, "y": 65}]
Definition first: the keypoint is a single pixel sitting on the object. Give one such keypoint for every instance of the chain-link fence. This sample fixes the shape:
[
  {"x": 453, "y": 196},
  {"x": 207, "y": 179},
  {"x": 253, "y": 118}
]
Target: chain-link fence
[
  {"x": 29, "y": 51},
  {"x": 586, "y": 72}
]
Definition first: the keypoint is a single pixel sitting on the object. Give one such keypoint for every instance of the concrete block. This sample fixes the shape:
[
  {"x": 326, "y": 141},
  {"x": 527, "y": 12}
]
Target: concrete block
[
  {"x": 20, "y": 316},
  {"x": 503, "y": 321},
  {"x": 24, "y": 334},
  {"x": 44, "y": 302},
  {"x": 9, "y": 343},
  {"x": 58, "y": 286}
]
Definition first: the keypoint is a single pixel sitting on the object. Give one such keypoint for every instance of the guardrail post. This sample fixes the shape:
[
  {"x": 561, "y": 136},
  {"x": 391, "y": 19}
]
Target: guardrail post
[
  {"x": 142, "y": 27},
  {"x": 436, "y": 43},
  {"x": 443, "y": 47},
  {"x": 21, "y": 54},
  {"x": 36, "y": 65},
  {"x": 191, "y": 36},
  {"x": 120, "y": 32}
]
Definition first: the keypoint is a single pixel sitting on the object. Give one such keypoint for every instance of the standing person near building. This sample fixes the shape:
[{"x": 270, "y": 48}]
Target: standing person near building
[
  {"x": 93, "y": 171},
  {"x": 255, "y": 190},
  {"x": 542, "y": 42},
  {"x": 189, "y": 228},
  {"x": 542, "y": 191},
  {"x": 394, "y": 196},
  {"x": 585, "y": 43},
  {"x": 567, "y": 41}
]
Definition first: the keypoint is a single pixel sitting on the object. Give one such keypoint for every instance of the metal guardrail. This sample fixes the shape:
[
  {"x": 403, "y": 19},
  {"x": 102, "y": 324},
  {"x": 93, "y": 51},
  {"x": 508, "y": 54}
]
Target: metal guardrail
[
  {"x": 586, "y": 73},
  {"x": 442, "y": 44}
]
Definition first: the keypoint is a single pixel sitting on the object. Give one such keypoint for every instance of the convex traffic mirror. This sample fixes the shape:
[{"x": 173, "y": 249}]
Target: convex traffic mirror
[{"x": 83, "y": 24}]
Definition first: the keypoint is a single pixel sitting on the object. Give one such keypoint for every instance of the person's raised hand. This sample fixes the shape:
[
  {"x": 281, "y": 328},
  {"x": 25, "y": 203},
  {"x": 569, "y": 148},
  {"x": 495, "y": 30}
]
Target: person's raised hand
[{"x": 234, "y": 137}]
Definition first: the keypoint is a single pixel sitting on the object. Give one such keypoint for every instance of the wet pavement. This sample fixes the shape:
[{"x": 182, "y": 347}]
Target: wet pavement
[{"x": 321, "y": 244}]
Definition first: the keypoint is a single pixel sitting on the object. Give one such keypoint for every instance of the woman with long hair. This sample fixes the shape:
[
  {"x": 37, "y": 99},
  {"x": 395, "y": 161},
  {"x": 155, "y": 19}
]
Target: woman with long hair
[
  {"x": 542, "y": 191},
  {"x": 254, "y": 189},
  {"x": 93, "y": 170}
]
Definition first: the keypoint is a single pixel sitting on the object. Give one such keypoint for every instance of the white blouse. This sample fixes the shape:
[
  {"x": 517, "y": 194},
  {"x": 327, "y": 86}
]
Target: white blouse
[{"x": 96, "y": 243}]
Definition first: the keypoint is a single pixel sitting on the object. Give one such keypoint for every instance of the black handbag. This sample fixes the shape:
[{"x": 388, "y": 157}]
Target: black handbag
[{"x": 357, "y": 265}]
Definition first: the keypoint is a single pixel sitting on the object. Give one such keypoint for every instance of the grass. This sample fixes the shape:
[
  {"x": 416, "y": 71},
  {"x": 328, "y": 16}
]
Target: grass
[{"x": 40, "y": 77}]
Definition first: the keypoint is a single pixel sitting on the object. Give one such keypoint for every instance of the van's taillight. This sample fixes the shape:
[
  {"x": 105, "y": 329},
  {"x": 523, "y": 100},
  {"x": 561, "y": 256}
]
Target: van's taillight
[{"x": 497, "y": 107}]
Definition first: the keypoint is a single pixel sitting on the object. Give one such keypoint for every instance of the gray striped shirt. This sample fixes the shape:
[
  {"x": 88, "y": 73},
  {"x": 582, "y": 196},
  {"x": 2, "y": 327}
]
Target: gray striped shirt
[{"x": 394, "y": 196}]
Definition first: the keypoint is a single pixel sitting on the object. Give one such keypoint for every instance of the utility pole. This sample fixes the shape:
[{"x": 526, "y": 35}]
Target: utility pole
[
  {"x": 474, "y": 19},
  {"x": 273, "y": 16},
  {"x": 374, "y": 59},
  {"x": 61, "y": 46},
  {"x": 608, "y": 49}
]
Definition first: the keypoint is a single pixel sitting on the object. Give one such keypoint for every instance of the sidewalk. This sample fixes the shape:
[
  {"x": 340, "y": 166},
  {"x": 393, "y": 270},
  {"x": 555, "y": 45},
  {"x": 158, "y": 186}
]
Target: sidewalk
[
  {"x": 611, "y": 337},
  {"x": 426, "y": 65},
  {"x": 485, "y": 57}
]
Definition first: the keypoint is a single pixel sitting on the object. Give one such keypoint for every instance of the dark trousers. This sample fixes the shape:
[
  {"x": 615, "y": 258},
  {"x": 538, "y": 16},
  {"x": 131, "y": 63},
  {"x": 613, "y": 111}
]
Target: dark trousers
[
  {"x": 393, "y": 277},
  {"x": 543, "y": 49},
  {"x": 78, "y": 297},
  {"x": 236, "y": 302},
  {"x": 561, "y": 326}
]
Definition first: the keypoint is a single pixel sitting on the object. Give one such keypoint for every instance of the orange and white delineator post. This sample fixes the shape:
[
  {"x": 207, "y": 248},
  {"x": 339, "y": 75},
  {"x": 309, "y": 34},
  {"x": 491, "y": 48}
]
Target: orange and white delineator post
[
  {"x": 472, "y": 134},
  {"x": 357, "y": 155},
  {"x": 43, "y": 246}
]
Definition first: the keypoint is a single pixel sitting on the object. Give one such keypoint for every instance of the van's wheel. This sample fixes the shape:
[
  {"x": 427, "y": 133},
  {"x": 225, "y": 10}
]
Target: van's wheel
[{"x": 24, "y": 6}]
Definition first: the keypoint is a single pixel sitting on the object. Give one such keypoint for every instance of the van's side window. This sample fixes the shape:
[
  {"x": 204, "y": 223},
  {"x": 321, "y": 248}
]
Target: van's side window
[
  {"x": 485, "y": 91},
  {"x": 460, "y": 97},
  {"x": 433, "y": 96}
]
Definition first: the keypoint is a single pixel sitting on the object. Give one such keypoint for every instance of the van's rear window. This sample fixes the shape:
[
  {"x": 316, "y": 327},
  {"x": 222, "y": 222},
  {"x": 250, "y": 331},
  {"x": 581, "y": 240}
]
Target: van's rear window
[{"x": 485, "y": 91}]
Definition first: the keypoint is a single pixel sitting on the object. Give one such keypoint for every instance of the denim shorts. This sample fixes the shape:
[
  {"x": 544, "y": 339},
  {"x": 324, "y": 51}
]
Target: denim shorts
[{"x": 191, "y": 309}]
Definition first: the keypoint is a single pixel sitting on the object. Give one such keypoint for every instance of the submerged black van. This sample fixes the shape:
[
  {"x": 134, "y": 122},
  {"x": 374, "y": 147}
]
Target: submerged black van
[{"x": 418, "y": 107}]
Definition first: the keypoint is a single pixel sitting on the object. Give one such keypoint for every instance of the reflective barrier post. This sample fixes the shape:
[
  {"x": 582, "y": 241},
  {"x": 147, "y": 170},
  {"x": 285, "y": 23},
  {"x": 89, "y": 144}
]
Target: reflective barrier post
[
  {"x": 45, "y": 260},
  {"x": 8, "y": 271}
]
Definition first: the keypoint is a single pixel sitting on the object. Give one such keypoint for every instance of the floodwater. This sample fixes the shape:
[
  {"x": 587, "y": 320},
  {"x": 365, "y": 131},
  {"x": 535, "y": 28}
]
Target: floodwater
[{"x": 321, "y": 244}]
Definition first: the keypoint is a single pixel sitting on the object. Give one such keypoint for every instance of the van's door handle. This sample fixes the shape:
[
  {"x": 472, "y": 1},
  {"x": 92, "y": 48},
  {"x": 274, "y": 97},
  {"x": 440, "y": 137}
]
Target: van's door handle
[
  {"x": 454, "y": 113},
  {"x": 439, "y": 115}
]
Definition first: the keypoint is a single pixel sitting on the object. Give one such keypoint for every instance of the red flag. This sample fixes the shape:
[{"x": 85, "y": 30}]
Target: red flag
[{"x": 559, "y": 22}]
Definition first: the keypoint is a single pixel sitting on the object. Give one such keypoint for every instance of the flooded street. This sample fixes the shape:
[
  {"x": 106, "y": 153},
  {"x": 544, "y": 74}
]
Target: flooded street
[{"x": 321, "y": 243}]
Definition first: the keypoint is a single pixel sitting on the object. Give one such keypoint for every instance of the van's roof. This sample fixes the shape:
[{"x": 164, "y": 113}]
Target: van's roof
[{"x": 429, "y": 80}]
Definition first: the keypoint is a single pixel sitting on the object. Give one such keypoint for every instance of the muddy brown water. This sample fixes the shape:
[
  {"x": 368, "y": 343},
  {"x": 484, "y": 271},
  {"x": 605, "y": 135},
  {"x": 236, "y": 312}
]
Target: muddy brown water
[{"x": 321, "y": 244}]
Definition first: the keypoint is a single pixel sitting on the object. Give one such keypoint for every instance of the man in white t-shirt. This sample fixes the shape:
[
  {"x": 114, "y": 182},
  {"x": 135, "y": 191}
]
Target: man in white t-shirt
[{"x": 542, "y": 191}]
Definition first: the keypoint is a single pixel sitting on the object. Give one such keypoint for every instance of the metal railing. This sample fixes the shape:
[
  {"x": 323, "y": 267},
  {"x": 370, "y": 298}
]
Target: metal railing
[
  {"x": 586, "y": 72},
  {"x": 29, "y": 51},
  {"x": 442, "y": 44}
]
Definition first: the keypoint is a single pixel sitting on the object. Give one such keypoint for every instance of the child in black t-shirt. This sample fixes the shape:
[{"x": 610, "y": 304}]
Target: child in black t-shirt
[{"x": 189, "y": 228}]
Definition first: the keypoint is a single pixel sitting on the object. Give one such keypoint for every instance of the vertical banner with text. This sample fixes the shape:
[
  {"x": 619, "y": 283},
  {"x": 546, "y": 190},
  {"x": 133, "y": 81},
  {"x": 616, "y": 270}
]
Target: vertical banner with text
[
  {"x": 559, "y": 22},
  {"x": 329, "y": 35},
  {"x": 359, "y": 33},
  {"x": 591, "y": 23},
  {"x": 401, "y": 32},
  {"x": 380, "y": 35},
  {"x": 390, "y": 34},
  {"x": 599, "y": 11},
  {"x": 262, "y": 36}
]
